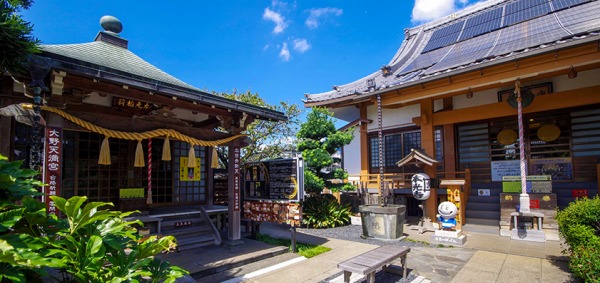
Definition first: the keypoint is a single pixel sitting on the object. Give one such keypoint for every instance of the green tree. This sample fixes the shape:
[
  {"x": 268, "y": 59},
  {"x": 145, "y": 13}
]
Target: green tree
[
  {"x": 270, "y": 139},
  {"x": 16, "y": 41},
  {"x": 318, "y": 141}
]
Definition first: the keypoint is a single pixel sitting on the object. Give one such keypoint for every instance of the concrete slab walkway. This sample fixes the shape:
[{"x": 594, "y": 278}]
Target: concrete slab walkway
[{"x": 485, "y": 258}]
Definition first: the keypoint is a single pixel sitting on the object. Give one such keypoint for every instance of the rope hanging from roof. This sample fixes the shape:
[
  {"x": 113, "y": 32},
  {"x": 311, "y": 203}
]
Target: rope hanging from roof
[
  {"x": 139, "y": 160},
  {"x": 139, "y": 136}
]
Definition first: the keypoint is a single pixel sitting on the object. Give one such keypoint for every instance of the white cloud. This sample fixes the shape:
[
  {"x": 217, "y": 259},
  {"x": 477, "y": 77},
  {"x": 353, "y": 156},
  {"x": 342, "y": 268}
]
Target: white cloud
[
  {"x": 284, "y": 54},
  {"x": 321, "y": 14},
  {"x": 266, "y": 47},
  {"x": 277, "y": 18},
  {"x": 301, "y": 45},
  {"x": 428, "y": 10}
]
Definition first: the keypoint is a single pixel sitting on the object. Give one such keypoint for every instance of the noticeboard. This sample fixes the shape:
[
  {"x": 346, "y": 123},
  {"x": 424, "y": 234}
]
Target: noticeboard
[
  {"x": 534, "y": 184},
  {"x": 279, "y": 179}
]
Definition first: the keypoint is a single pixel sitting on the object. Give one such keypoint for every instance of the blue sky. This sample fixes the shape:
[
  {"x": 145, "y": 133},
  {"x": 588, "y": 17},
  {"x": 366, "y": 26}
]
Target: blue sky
[{"x": 278, "y": 49}]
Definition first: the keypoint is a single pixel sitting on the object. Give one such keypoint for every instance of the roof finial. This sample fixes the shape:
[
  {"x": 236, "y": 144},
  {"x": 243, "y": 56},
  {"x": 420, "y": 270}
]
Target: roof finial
[{"x": 111, "y": 24}]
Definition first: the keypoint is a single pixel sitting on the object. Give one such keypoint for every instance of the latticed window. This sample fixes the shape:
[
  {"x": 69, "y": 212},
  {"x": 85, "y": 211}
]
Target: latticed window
[{"x": 395, "y": 147}]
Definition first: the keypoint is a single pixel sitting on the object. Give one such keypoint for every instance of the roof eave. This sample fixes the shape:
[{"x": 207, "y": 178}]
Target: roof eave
[
  {"x": 115, "y": 76},
  {"x": 354, "y": 99}
]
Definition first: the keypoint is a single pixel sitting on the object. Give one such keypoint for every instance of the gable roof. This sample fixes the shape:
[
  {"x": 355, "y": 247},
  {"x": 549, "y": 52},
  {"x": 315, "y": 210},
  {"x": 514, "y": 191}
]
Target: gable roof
[
  {"x": 107, "y": 58},
  {"x": 484, "y": 33},
  {"x": 113, "y": 57}
]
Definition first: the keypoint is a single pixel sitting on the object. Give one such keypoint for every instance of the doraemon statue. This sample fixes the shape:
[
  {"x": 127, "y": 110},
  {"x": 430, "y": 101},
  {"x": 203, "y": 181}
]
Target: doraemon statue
[{"x": 447, "y": 213}]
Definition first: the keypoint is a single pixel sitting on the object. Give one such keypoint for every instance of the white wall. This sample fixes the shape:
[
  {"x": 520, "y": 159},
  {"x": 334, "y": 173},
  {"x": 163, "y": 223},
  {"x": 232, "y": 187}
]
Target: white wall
[
  {"x": 393, "y": 118},
  {"x": 559, "y": 83},
  {"x": 352, "y": 154}
]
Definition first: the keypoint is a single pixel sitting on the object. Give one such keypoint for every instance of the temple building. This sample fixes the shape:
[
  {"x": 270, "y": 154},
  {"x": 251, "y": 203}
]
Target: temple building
[
  {"x": 453, "y": 90},
  {"x": 99, "y": 121}
]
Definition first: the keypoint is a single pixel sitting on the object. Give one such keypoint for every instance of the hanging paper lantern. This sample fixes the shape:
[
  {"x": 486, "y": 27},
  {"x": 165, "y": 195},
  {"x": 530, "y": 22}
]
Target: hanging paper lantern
[{"x": 421, "y": 187}]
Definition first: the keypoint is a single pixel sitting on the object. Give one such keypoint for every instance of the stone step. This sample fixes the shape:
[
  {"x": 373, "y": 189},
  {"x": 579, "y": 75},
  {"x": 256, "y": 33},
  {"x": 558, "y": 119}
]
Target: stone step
[
  {"x": 486, "y": 206},
  {"x": 170, "y": 225},
  {"x": 492, "y": 228},
  {"x": 194, "y": 242},
  {"x": 483, "y": 214},
  {"x": 187, "y": 231},
  {"x": 223, "y": 270},
  {"x": 481, "y": 199},
  {"x": 480, "y": 221}
]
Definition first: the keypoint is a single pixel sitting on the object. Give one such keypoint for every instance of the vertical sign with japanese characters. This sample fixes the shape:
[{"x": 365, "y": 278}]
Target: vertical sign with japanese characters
[
  {"x": 236, "y": 178},
  {"x": 52, "y": 172}
]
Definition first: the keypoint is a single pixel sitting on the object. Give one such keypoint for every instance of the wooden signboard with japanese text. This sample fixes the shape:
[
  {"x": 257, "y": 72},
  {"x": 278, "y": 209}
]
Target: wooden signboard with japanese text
[{"x": 53, "y": 165}]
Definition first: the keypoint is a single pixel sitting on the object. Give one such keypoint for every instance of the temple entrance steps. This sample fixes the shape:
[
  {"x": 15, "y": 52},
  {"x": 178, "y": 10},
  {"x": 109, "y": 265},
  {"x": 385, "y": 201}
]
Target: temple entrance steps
[
  {"x": 191, "y": 226},
  {"x": 483, "y": 211}
]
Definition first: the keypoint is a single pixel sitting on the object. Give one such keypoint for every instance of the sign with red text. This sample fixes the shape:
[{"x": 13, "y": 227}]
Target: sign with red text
[
  {"x": 579, "y": 193},
  {"x": 53, "y": 164}
]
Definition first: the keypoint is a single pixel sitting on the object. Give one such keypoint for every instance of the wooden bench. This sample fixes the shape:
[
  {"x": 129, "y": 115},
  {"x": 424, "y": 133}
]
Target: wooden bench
[{"x": 367, "y": 263}]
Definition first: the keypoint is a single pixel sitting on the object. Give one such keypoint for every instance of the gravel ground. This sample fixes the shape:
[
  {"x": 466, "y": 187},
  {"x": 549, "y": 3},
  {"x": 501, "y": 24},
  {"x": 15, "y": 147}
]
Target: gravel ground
[{"x": 353, "y": 232}]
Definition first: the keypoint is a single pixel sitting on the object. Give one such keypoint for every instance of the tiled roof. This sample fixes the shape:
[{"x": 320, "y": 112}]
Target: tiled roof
[
  {"x": 108, "y": 58},
  {"x": 113, "y": 57},
  {"x": 482, "y": 33}
]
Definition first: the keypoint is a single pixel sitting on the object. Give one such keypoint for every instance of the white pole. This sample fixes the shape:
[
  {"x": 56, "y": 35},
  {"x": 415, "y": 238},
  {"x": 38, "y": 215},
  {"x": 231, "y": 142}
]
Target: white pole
[{"x": 524, "y": 197}]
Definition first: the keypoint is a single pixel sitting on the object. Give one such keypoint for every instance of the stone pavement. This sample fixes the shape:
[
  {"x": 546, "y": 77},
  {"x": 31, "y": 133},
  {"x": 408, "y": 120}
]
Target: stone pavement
[{"x": 485, "y": 258}]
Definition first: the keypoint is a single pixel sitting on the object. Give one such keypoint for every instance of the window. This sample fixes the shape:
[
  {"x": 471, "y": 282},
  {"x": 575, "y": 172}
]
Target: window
[
  {"x": 563, "y": 144},
  {"x": 82, "y": 176},
  {"x": 190, "y": 191},
  {"x": 395, "y": 147}
]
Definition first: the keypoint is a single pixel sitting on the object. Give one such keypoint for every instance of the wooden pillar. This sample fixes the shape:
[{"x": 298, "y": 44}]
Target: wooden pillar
[
  {"x": 364, "y": 141},
  {"x": 210, "y": 184},
  {"x": 234, "y": 191},
  {"x": 428, "y": 145},
  {"x": 598, "y": 177},
  {"x": 449, "y": 151},
  {"x": 5, "y": 126}
]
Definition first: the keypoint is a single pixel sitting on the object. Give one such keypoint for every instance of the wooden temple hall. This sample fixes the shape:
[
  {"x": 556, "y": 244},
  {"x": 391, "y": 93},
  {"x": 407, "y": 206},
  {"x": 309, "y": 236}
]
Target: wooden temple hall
[
  {"x": 452, "y": 90},
  {"x": 101, "y": 122}
]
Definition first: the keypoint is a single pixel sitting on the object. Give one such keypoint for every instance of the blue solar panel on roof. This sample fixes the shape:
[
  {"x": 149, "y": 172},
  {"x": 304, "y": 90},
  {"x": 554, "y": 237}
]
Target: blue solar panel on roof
[
  {"x": 444, "y": 36},
  {"x": 466, "y": 52},
  {"x": 561, "y": 4},
  {"x": 582, "y": 18},
  {"x": 524, "y": 10},
  {"x": 425, "y": 60},
  {"x": 482, "y": 23},
  {"x": 533, "y": 33}
]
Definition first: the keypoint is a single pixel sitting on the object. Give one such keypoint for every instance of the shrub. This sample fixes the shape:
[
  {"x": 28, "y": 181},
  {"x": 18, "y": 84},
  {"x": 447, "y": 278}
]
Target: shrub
[
  {"x": 312, "y": 183},
  {"x": 585, "y": 262},
  {"x": 323, "y": 211},
  {"x": 91, "y": 245},
  {"x": 579, "y": 224}
]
